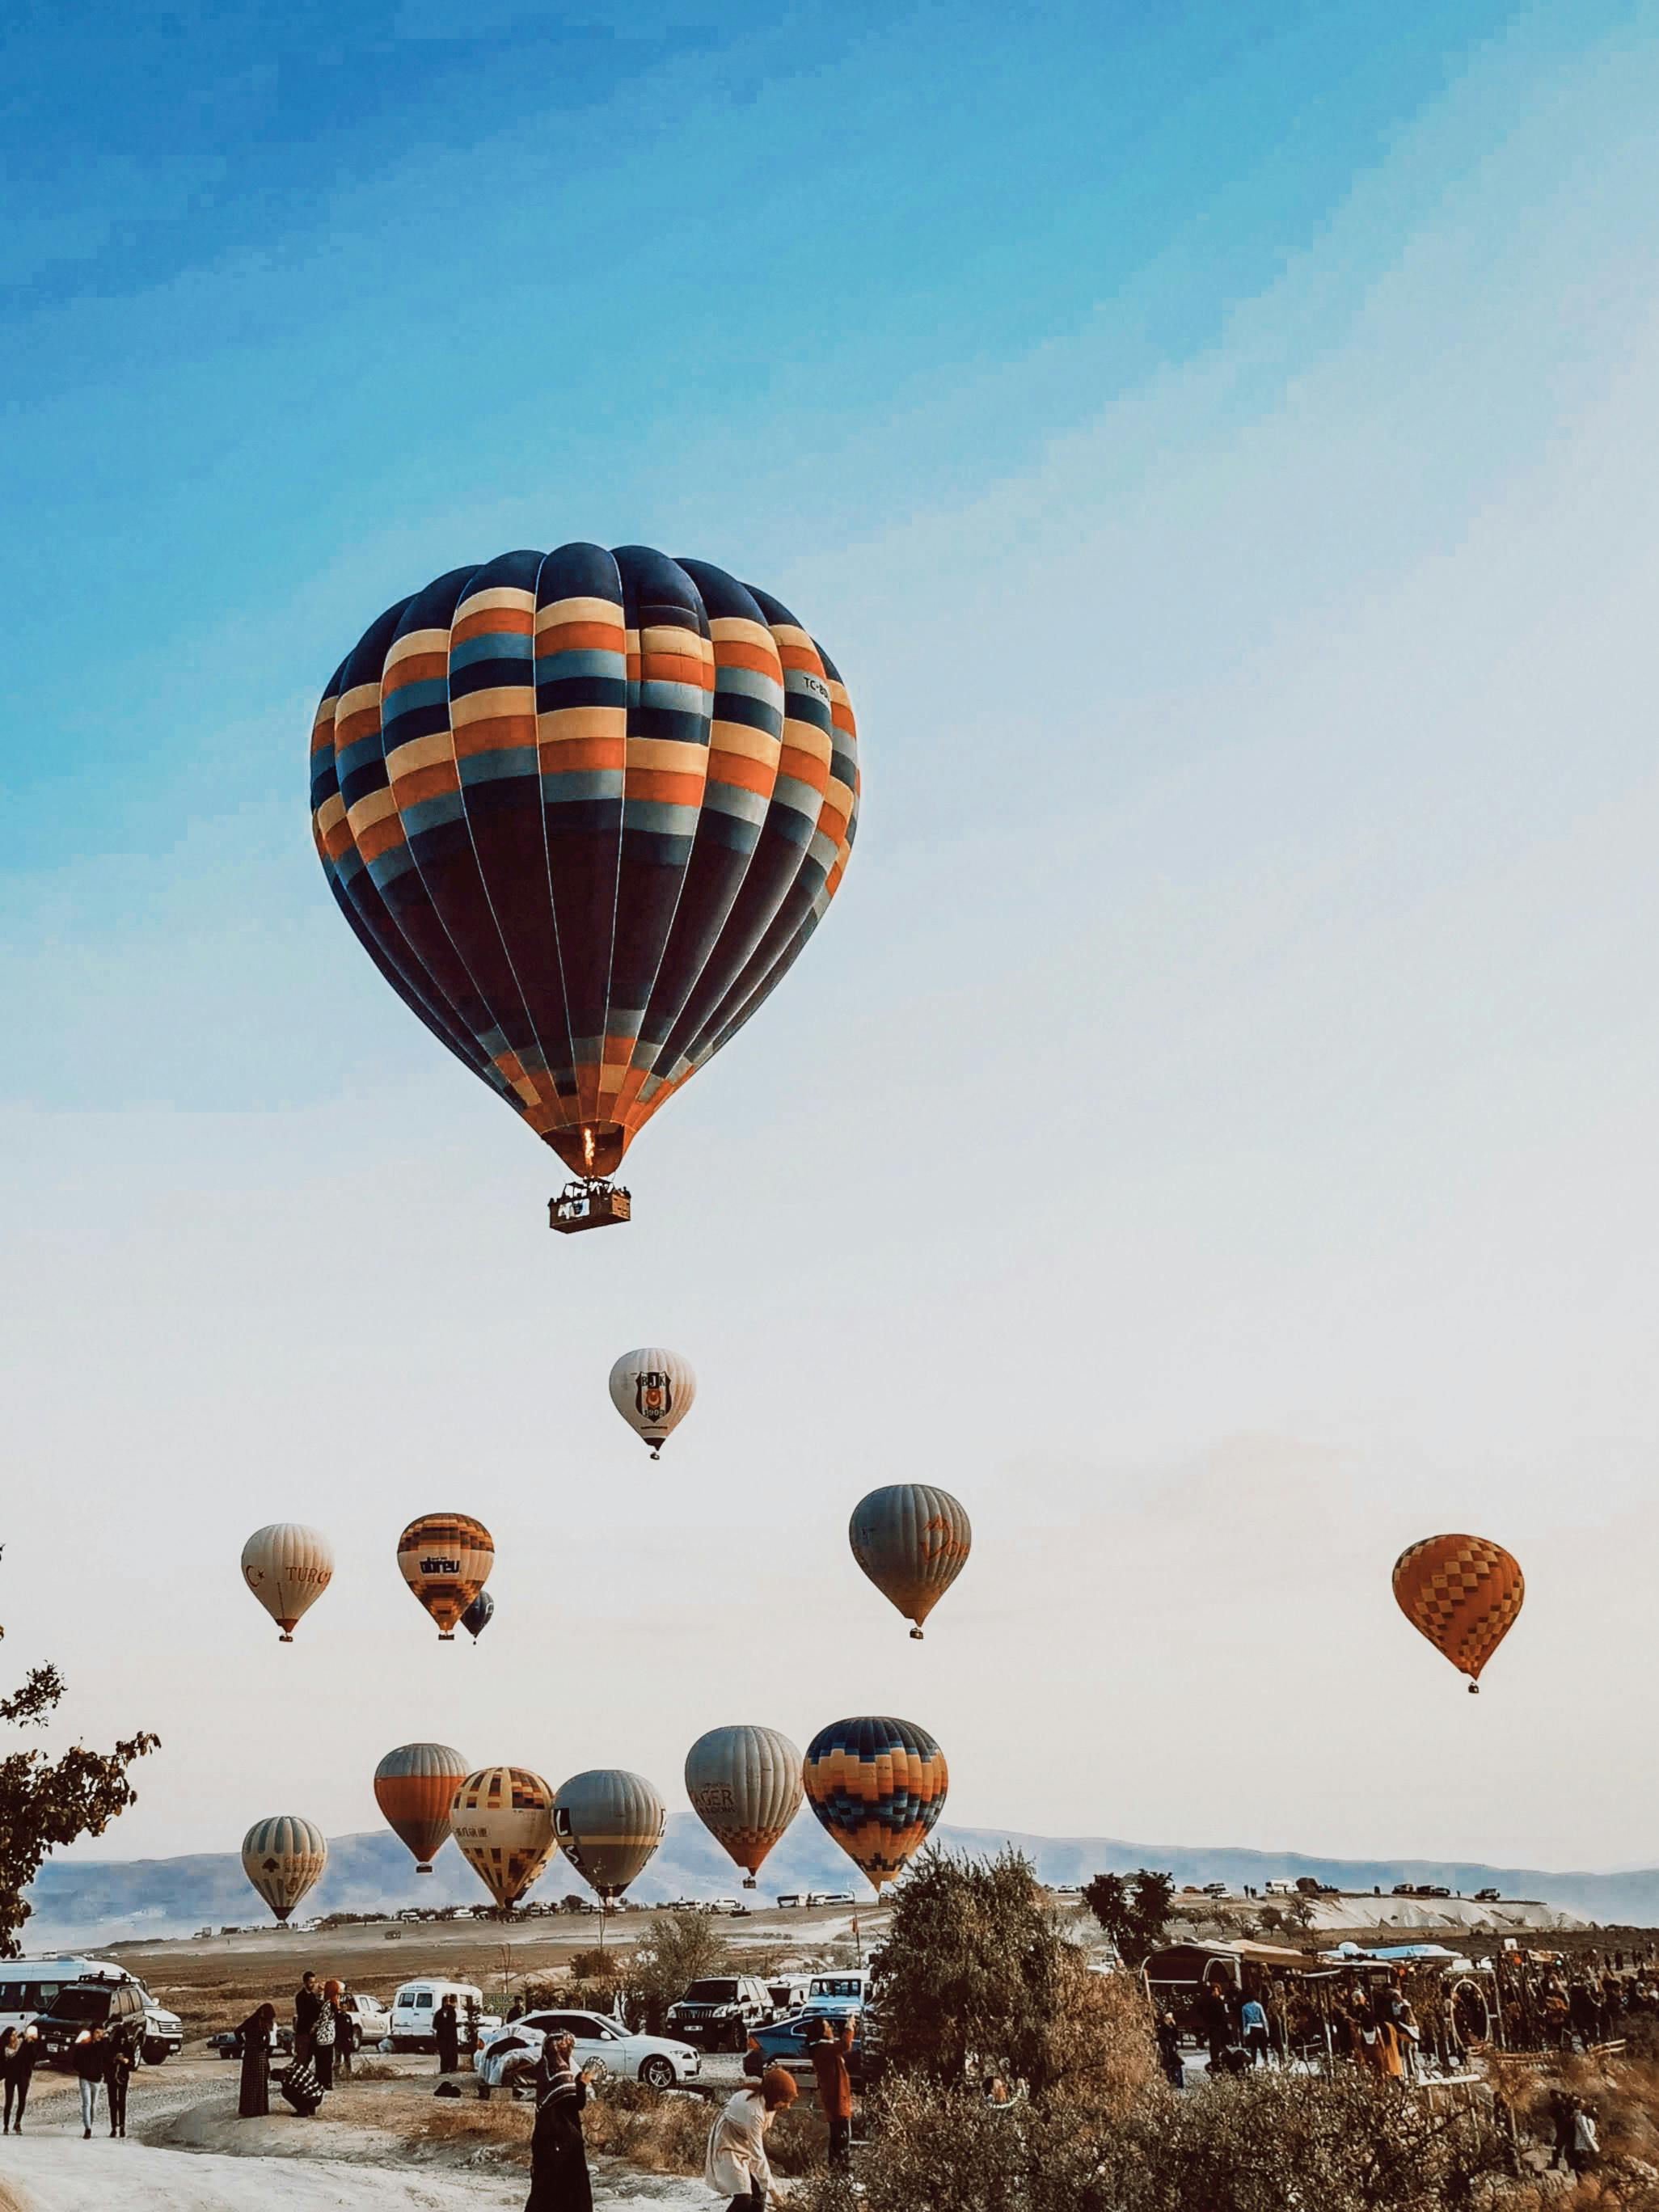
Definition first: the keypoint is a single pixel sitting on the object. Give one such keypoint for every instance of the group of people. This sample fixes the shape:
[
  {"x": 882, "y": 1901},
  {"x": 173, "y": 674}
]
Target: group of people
[
  {"x": 326, "y": 2036},
  {"x": 99, "y": 2060}
]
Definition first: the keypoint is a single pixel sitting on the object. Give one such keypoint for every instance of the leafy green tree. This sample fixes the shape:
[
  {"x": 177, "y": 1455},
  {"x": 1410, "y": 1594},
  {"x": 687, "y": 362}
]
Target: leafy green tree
[
  {"x": 1133, "y": 1909},
  {"x": 46, "y": 1803},
  {"x": 679, "y": 1948},
  {"x": 976, "y": 1979}
]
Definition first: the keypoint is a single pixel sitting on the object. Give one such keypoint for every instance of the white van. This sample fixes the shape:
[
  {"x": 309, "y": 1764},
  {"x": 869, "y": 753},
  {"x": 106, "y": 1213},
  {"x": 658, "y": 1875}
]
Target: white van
[
  {"x": 416, "y": 2006},
  {"x": 27, "y": 1987}
]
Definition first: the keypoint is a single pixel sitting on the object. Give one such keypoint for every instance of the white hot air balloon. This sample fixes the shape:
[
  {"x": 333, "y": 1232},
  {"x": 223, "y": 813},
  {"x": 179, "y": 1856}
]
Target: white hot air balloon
[
  {"x": 282, "y": 1857},
  {"x": 502, "y": 1818},
  {"x": 653, "y": 1391},
  {"x": 288, "y": 1567}
]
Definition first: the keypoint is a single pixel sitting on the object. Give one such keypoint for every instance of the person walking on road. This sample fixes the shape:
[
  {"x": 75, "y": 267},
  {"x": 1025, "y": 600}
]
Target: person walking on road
[
  {"x": 736, "y": 2165},
  {"x": 558, "y": 2157},
  {"x": 91, "y": 2054},
  {"x": 830, "y": 2048},
  {"x": 20, "y": 2053},
  {"x": 256, "y": 2032},
  {"x": 307, "y": 2003},
  {"x": 1253, "y": 2017},
  {"x": 446, "y": 2033},
  {"x": 118, "y": 2072}
]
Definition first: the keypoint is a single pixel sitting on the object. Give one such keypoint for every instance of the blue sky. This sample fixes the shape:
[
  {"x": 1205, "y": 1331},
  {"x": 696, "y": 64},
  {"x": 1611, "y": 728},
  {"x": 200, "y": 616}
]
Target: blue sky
[{"x": 1214, "y": 444}]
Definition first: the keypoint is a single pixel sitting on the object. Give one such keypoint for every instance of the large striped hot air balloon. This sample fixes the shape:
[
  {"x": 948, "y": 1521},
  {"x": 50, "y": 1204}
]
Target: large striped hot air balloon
[
  {"x": 414, "y": 1787},
  {"x": 502, "y": 1821},
  {"x": 288, "y": 1567},
  {"x": 608, "y": 1823},
  {"x": 282, "y": 1857},
  {"x": 583, "y": 809},
  {"x": 877, "y": 1786},
  {"x": 445, "y": 1560},
  {"x": 744, "y": 1786},
  {"x": 913, "y": 1541},
  {"x": 1463, "y": 1593}
]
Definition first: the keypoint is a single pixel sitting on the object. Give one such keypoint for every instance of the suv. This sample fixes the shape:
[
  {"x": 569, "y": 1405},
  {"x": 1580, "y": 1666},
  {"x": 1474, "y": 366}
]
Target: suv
[
  {"x": 117, "y": 2008},
  {"x": 374, "y": 2020},
  {"x": 720, "y": 2012}
]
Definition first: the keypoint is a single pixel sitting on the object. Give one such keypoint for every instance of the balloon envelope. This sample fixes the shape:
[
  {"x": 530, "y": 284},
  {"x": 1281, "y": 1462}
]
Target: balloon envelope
[
  {"x": 282, "y": 1857},
  {"x": 503, "y": 1820},
  {"x": 913, "y": 1541},
  {"x": 878, "y": 1786},
  {"x": 446, "y": 1558},
  {"x": 653, "y": 1390},
  {"x": 1463, "y": 1593},
  {"x": 608, "y": 1823},
  {"x": 583, "y": 809},
  {"x": 288, "y": 1567},
  {"x": 478, "y": 1615},
  {"x": 744, "y": 1784},
  {"x": 414, "y": 1787}
]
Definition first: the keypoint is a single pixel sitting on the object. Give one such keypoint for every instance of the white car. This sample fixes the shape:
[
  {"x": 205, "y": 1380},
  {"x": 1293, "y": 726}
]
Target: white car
[
  {"x": 373, "y": 2018},
  {"x": 603, "y": 2043}
]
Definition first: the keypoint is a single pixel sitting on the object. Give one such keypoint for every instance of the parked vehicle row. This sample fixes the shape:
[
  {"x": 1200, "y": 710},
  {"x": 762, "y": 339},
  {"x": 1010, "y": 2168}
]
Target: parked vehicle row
[{"x": 35, "y": 1989}]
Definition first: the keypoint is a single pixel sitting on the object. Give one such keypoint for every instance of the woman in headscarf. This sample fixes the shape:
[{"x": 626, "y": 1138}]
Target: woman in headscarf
[
  {"x": 735, "y": 2166},
  {"x": 255, "y": 2031},
  {"x": 558, "y": 2156}
]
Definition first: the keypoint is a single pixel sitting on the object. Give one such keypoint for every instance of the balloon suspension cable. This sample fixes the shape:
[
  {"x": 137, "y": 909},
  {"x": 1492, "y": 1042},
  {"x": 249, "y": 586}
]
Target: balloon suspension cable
[{"x": 589, "y": 1202}]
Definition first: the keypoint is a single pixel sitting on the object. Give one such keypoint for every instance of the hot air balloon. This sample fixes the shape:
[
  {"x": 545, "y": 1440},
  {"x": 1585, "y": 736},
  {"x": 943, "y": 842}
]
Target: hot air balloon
[
  {"x": 282, "y": 1857},
  {"x": 877, "y": 1786},
  {"x": 913, "y": 1541},
  {"x": 503, "y": 1820},
  {"x": 653, "y": 1391},
  {"x": 1463, "y": 1594},
  {"x": 583, "y": 811},
  {"x": 744, "y": 1786},
  {"x": 287, "y": 1568},
  {"x": 445, "y": 1560},
  {"x": 414, "y": 1787},
  {"x": 608, "y": 1824},
  {"x": 478, "y": 1615}
]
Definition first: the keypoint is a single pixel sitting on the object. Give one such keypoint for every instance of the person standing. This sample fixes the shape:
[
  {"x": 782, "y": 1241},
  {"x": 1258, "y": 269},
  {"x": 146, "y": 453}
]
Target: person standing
[
  {"x": 256, "y": 2032},
  {"x": 1253, "y": 2016},
  {"x": 1168, "y": 2050},
  {"x": 90, "y": 2055},
  {"x": 20, "y": 2053},
  {"x": 307, "y": 2003},
  {"x": 735, "y": 2166},
  {"x": 118, "y": 2072},
  {"x": 1586, "y": 2142},
  {"x": 345, "y": 2038},
  {"x": 829, "y": 2048},
  {"x": 447, "y": 2035},
  {"x": 322, "y": 2042},
  {"x": 1216, "y": 2014},
  {"x": 558, "y": 2157}
]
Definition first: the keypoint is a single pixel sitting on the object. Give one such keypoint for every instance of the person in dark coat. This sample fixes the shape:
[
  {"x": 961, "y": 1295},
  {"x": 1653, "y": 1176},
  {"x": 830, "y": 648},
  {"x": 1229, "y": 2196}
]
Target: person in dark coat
[
  {"x": 20, "y": 2053},
  {"x": 558, "y": 2157},
  {"x": 322, "y": 2042},
  {"x": 256, "y": 2030},
  {"x": 345, "y": 2038},
  {"x": 446, "y": 2033},
  {"x": 91, "y": 2053},
  {"x": 118, "y": 2072},
  {"x": 829, "y": 2047},
  {"x": 307, "y": 2003}
]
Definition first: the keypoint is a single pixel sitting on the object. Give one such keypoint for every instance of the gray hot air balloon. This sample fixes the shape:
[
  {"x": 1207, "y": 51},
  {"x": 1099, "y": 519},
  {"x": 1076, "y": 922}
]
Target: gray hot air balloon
[
  {"x": 744, "y": 1786},
  {"x": 282, "y": 1856},
  {"x": 608, "y": 1824},
  {"x": 913, "y": 1541}
]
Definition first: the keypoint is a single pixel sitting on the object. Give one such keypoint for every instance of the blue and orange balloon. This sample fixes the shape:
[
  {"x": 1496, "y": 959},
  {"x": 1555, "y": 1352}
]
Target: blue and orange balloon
[{"x": 878, "y": 1786}]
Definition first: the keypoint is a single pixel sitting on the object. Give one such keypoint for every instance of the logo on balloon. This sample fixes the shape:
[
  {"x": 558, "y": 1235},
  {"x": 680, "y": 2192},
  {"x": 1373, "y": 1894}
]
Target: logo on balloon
[{"x": 654, "y": 1395}]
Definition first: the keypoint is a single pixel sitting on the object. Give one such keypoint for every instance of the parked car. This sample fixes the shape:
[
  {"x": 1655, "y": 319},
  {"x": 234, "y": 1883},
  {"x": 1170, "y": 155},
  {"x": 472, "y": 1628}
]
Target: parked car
[
  {"x": 657, "y": 2061},
  {"x": 788, "y": 2043},
  {"x": 227, "y": 2043},
  {"x": 415, "y": 2006},
  {"x": 164, "y": 2032},
  {"x": 117, "y": 2008},
  {"x": 789, "y": 1903},
  {"x": 373, "y": 2018},
  {"x": 787, "y": 1992},
  {"x": 830, "y": 1897},
  {"x": 718, "y": 2012},
  {"x": 29, "y": 1988},
  {"x": 1487, "y": 1896},
  {"x": 837, "y": 1994}
]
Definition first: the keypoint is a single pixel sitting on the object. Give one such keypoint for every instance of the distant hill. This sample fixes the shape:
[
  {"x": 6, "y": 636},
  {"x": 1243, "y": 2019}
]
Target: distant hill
[{"x": 109, "y": 1898}]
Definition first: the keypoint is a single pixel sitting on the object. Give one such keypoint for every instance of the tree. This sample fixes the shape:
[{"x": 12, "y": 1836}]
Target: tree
[
  {"x": 976, "y": 1979},
  {"x": 45, "y": 1802},
  {"x": 1132, "y": 1910},
  {"x": 679, "y": 1948}
]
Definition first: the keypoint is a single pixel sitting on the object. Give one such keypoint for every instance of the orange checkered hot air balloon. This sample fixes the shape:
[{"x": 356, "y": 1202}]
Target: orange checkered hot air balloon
[
  {"x": 445, "y": 1560},
  {"x": 877, "y": 1786},
  {"x": 1463, "y": 1593}
]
